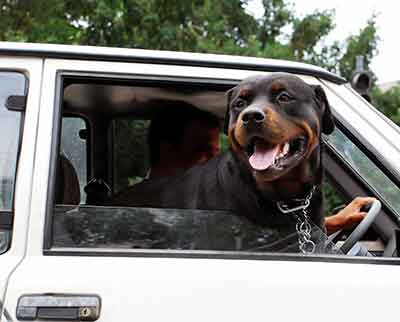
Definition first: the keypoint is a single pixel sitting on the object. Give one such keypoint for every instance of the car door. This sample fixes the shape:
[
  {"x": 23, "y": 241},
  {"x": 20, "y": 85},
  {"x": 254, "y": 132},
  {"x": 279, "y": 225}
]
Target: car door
[
  {"x": 59, "y": 282},
  {"x": 20, "y": 80}
]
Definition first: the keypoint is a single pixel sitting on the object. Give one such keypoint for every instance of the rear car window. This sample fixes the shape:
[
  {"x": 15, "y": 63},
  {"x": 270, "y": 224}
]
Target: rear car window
[{"x": 11, "y": 84}]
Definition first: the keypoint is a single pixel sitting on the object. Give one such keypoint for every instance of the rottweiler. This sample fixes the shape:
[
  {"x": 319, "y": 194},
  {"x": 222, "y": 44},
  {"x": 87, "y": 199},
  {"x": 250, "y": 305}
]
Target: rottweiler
[{"x": 273, "y": 165}]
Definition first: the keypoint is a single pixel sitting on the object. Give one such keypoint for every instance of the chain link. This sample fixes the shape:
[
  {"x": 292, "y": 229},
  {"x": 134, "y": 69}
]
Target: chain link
[
  {"x": 303, "y": 228},
  {"x": 303, "y": 225}
]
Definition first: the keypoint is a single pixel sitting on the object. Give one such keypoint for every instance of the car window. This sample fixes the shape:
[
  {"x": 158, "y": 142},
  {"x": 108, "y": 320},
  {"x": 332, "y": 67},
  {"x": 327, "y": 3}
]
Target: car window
[
  {"x": 120, "y": 160},
  {"x": 372, "y": 175},
  {"x": 11, "y": 83}
]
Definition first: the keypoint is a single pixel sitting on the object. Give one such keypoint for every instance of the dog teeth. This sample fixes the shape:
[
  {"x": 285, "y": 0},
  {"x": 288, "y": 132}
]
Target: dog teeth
[{"x": 285, "y": 149}]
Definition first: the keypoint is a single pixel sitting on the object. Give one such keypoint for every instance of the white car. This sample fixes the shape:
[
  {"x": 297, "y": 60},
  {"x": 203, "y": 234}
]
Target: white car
[{"x": 74, "y": 118}]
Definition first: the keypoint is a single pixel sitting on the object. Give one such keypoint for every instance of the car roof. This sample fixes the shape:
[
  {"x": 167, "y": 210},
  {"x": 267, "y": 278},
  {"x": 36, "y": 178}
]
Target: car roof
[{"x": 164, "y": 57}]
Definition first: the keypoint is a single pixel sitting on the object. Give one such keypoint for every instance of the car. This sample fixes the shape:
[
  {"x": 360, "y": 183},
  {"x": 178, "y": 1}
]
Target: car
[{"x": 74, "y": 121}]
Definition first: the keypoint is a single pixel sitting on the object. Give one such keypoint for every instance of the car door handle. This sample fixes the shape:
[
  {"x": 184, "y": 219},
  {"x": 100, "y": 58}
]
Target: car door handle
[{"x": 58, "y": 307}]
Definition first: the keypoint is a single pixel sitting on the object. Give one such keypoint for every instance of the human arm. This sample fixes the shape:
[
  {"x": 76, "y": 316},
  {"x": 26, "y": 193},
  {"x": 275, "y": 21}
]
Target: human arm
[{"x": 349, "y": 216}]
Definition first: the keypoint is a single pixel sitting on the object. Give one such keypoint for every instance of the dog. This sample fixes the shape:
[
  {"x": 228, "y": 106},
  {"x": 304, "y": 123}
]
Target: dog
[{"x": 274, "y": 123}]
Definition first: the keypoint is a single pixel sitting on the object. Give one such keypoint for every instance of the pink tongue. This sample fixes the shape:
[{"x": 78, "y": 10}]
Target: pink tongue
[{"x": 263, "y": 158}]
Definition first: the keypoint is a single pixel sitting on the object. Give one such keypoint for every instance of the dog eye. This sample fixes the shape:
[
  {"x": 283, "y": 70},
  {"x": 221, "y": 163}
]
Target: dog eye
[
  {"x": 240, "y": 103},
  {"x": 284, "y": 97}
]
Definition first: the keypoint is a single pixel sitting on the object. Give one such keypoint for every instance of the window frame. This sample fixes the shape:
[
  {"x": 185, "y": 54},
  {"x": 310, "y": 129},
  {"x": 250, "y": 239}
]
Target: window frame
[{"x": 115, "y": 78}]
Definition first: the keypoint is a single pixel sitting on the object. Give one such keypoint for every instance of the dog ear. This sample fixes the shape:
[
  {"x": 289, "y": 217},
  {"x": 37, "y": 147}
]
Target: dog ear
[
  {"x": 328, "y": 124},
  {"x": 229, "y": 95}
]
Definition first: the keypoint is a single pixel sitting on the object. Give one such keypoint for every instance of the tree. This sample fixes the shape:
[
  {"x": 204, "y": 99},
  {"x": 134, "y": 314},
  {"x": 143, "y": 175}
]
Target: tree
[
  {"x": 388, "y": 102},
  {"x": 365, "y": 44},
  {"x": 221, "y": 26},
  {"x": 277, "y": 14}
]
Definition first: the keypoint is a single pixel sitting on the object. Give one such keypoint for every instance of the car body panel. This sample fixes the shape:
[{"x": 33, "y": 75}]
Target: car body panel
[{"x": 151, "y": 289}]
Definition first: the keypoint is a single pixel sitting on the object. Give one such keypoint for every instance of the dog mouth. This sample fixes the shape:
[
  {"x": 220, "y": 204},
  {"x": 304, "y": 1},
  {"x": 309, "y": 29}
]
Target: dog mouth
[{"x": 265, "y": 156}]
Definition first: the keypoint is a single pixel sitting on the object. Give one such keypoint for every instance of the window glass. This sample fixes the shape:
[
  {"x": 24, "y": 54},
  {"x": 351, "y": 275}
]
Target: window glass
[
  {"x": 333, "y": 200},
  {"x": 375, "y": 178},
  {"x": 130, "y": 152},
  {"x": 73, "y": 149},
  {"x": 11, "y": 83},
  {"x": 173, "y": 229}
]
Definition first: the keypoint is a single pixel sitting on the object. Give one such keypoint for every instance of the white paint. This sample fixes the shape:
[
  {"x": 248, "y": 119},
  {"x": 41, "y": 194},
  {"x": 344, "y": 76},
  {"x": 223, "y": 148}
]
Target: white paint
[{"x": 155, "y": 289}]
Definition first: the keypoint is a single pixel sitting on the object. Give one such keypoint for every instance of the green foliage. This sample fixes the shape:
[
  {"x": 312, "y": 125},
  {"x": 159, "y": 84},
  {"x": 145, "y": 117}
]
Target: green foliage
[
  {"x": 222, "y": 26},
  {"x": 388, "y": 102},
  {"x": 308, "y": 32},
  {"x": 130, "y": 155},
  {"x": 277, "y": 14},
  {"x": 332, "y": 199},
  {"x": 365, "y": 43}
]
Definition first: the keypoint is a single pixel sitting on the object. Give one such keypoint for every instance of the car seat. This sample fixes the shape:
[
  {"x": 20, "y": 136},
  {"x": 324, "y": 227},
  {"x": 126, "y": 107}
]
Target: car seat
[{"x": 67, "y": 183}]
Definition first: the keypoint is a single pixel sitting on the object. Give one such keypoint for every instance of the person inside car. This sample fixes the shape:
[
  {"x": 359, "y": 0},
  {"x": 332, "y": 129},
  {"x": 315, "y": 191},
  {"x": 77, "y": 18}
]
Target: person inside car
[{"x": 181, "y": 136}]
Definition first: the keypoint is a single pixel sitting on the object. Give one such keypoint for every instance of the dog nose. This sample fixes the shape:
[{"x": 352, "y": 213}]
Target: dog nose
[{"x": 253, "y": 115}]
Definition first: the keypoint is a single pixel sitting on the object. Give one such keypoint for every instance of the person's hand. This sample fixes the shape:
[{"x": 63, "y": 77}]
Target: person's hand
[{"x": 349, "y": 216}]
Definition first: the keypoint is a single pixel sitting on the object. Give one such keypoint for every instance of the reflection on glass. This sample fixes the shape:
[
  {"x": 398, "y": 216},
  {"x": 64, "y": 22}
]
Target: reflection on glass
[
  {"x": 74, "y": 148},
  {"x": 11, "y": 83},
  {"x": 366, "y": 168},
  {"x": 171, "y": 229}
]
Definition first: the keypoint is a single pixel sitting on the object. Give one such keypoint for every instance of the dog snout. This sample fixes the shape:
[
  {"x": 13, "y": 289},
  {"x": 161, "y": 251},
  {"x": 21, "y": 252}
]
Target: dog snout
[{"x": 253, "y": 115}]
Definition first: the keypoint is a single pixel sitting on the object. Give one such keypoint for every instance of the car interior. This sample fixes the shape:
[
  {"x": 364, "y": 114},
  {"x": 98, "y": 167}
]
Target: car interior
[{"x": 102, "y": 150}]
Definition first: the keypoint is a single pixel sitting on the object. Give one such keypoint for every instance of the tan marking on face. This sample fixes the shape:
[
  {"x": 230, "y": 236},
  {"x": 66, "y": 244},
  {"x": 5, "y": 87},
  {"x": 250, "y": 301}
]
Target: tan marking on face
[
  {"x": 312, "y": 138},
  {"x": 244, "y": 93},
  {"x": 277, "y": 87},
  {"x": 234, "y": 143},
  {"x": 275, "y": 130}
]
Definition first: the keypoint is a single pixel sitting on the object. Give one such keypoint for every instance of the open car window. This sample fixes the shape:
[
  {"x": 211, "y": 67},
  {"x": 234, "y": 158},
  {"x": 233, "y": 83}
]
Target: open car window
[{"x": 112, "y": 145}]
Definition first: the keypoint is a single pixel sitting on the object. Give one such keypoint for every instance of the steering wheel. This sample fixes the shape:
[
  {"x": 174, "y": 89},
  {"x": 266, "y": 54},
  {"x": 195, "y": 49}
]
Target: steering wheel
[{"x": 359, "y": 231}]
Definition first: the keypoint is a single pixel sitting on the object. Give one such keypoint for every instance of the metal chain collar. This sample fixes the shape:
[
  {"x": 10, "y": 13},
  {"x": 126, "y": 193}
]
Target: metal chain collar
[{"x": 303, "y": 226}]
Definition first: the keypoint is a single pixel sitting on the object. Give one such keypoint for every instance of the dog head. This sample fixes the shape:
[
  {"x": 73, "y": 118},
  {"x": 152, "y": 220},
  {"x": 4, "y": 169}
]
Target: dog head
[{"x": 275, "y": 123}]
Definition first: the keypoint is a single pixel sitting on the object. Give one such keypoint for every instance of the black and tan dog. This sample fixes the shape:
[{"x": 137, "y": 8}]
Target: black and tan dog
[{"x": 275, "y": 125}]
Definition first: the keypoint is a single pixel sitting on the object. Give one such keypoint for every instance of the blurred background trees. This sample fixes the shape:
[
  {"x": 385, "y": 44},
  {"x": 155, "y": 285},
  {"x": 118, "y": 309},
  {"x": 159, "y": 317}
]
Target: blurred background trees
[{"x": 222, "y": 26}]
